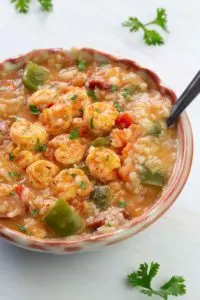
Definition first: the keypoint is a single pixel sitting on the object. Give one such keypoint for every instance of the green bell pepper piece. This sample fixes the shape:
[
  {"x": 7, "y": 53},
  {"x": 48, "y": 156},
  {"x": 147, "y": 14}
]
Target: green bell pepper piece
[
  {"x": 101, "y": 141},
  {"x": 34, "y": 75},
  {"x": 150, "y": 178},
  {"x": 63, "y": 219},
  {"x": 100, "y": 196}
]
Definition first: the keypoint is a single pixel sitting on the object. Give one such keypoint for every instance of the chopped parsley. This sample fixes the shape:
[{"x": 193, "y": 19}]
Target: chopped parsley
[
  {"x": 83, "y": 185},
  {"x": 143, "y": 278},
  {"x": 92, "y": 94},
  {"x": 127, "y": 92},
  {"x": 113, "y": 88},
  {"x": 40, "y": 147},
  {"x": 11, "y": 156},
  {"x": 92, "y": 123},
  {"x": 81, "y": 65},
  {"x": 118, "y": 106},
  {"x": 122, "y": 204},
  {"x": 73, "y": 98},
  {"x": 22, "y": 228},
  {"x": 34, "y": 110},
  {"x": 73, "y": 175},
  {"x": 11, "y": 174},
  {"x": 35, "y": 212},
  {"x": 74, "y": 134}
]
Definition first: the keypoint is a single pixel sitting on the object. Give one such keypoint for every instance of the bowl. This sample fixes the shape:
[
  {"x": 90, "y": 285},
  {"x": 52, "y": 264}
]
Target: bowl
[{"x": 170, "y": 192}]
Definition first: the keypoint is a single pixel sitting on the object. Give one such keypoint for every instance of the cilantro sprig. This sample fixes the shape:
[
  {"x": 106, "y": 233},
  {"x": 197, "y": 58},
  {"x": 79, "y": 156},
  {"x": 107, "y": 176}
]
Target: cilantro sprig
[
  {"x": 144, "y": 276},
  {"x": 151, "y": 37},
  {"x": 22, "y": 6}
]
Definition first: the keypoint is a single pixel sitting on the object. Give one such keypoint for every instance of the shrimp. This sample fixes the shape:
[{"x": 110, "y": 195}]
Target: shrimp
[
  {"x": 120, "y": 137},
  {"x": 41, "y": 172},
  {"x": 81, "y": 125},
  {"x": 72, "y": 183},
  {"x": 100, "y": 117},
  {"x": 56, "y": 119},
  {"x": 65, "y": 150},
  {"x": 25, "y": 158},
  {"x": 26, "y": 134},
  {"x": 77, "y": 99},
  {"x": 119, "y": 77},
  {"x": 43, "y": 98},
  {"x": 73, "y": 76},
  {"x": 103, "y": 163}
]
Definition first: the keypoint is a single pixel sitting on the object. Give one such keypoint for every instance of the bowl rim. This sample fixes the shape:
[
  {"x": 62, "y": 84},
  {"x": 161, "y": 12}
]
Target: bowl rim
[{"x": 153, "y": 213}]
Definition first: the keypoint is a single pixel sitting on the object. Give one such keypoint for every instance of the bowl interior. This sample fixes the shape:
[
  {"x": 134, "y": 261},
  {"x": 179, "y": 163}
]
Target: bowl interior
[{"x": 170, "y": 192}]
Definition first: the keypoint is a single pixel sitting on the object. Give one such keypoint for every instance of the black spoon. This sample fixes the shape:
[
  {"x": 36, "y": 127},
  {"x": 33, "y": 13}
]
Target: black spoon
[{"x": 185, "y": 99}]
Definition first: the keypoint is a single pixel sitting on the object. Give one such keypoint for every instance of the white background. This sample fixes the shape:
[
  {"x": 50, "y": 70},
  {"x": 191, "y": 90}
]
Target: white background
[{"x": 174, "y": 241}]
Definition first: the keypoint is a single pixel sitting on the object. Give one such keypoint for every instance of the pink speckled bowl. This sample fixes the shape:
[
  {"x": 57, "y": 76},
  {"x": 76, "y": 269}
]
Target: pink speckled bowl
[{"x": 169, "y": 194}]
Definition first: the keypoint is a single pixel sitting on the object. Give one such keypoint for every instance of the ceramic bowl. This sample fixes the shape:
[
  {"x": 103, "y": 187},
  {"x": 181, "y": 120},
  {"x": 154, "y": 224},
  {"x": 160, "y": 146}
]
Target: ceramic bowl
[{"x": 169, "y": 195}]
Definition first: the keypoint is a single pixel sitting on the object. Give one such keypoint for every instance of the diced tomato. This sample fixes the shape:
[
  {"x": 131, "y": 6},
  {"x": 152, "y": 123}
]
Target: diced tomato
[
  {"x": 124, "y": 120},
  {"x": 19, "y": 190},
  {"x": 98, "y": 83}
]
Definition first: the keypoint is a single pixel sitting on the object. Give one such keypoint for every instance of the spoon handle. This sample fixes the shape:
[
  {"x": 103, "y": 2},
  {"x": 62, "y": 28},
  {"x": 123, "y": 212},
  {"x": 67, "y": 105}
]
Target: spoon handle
[{"x": 185, "y": 99}]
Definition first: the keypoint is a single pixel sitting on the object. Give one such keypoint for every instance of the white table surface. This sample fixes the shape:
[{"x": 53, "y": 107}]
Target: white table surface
[{"x": 174, "y": 241}]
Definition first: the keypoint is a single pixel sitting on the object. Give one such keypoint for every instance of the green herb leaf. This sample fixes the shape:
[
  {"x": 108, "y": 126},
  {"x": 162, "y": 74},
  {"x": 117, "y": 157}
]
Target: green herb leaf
[
  {"x": 73, "y": 98},
  {"x": 46, "y": 5},
  {"x": 118, "y": 106},
  {"x": 83, "y": 185},
  {"x": 81, "y": 65},
  {"x": 144, "y": 275},
  {"x": 129, "y": 91},
  {"x": 34, "y": 110},
  {"x": 151, "y": 37},
  {"x": 114, "y": 88},
  {"x": 35, "y": 212},
  {"x": 92, "y": 94},
  {"x": 11, "y": 174},
  {"x": 74, "y": 134},
  {"x": 40, "y": 147},
  {"x": 133, "y": 24},
  {"x": 175, "y": 286},
  {"x": 122, "y": 204},
  {"x": 73, "y": 175},
  {"x": 22, "y": 228},
  {"x": 92, "y": 123},
  {"x": 161, "y": 19},
  {"x": 143, "y": 278},
  {"x": 11, "y": 156},
  {"x": 21, "y": 5}
]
